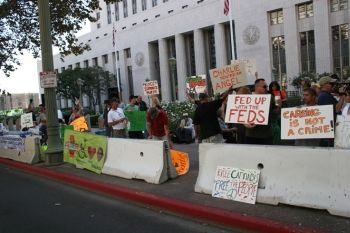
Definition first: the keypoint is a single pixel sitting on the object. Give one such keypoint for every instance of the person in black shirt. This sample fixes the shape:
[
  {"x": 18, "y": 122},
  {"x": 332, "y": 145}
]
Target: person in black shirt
[{"x": 142, "y": 104}]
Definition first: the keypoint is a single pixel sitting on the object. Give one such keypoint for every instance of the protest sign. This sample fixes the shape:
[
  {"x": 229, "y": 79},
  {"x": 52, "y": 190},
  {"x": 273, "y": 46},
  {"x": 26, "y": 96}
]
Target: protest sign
[
  {"x": 250, "y": 69},
  {"x": 12, "y": 142},
  {"x": 180, "y": 161},
  {"x": 248, "y": 109},
  {"x": 80, "y": 124},
  {"x": 27, "y": 120},
  {"x": 196, "y": 84},
  {"x": 228, "y": 76},
  {"x": 137, "y": 120},
  {"x": 307, "y": 122},
  {"x": 236, "y": 184},
  {"x": 85, "y": 149},
  {"x": 342, "y": 132},
  {"x": 150, "y": 88}
]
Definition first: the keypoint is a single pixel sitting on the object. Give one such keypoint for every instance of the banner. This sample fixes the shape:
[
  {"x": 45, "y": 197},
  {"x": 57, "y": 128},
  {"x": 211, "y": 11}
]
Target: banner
[
  {"x": 137, "y": 120},
  {"x": 342, "y": 132},
  {"x": 180, "y": 161},
  {"x": 27, "y": 120},
  {"x": 250, "y": 69},
  {"x": 85, "y": 149},
  {"x": 80, "y": 124},
  {"x": 12, "y": 142},
  {"x": 307, "y": 122},
  {"x": 150, "y": 88},
  {"x": 236, "y": 184},
  {"x": 229, "y": 76},
  {"x": 196, "y": 84},
  {"x": 248, "y": 109}
]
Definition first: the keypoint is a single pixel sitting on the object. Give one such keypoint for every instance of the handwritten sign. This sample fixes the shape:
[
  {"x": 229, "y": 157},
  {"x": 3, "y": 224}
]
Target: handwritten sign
[
  {"x": 151, "y": 88},
  {"x": 12, "y": 142},
  {"x": 48, "y": 79},
  {"x": 342, "y": 132},
  {"x": 248, "y": 109},
  {"x": 80, "y": 124},
  {"x": 180, "y": 161},
  {"x": 196, "y": 84},
  {"x": 250, "y": 68},
  {"x": 27, "y": 120},
  {"x": 307, "y": 122},
  {"x": 236, "y": 184},
  {"x": 229, "y": 76}
]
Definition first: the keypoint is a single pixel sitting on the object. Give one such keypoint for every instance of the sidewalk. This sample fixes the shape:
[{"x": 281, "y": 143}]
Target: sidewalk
[{"x": 182, "y": 189}]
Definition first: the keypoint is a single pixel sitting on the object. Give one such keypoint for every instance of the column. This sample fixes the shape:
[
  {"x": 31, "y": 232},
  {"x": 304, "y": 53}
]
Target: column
[
  {"x": 220, "y": 45},
  {"x": 181, "y": 66},
  {"x": 199, "y": 52},
  {"x": 291, "y": 35},
  {"x": 164, "y": 70},
  {"x": 323, "y": 39}
]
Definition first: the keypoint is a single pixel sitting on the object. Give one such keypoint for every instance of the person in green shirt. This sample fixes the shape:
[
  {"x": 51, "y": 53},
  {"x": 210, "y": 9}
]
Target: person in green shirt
[{"x": 133, "y": 107}]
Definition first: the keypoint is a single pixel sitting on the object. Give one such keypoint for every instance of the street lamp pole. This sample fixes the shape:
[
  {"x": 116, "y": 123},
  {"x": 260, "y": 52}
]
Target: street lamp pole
[{"x": 54, "y": 152}]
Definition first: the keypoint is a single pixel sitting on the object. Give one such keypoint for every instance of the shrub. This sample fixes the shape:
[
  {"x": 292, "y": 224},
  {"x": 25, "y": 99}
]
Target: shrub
[{"x": 175, "y": 111}]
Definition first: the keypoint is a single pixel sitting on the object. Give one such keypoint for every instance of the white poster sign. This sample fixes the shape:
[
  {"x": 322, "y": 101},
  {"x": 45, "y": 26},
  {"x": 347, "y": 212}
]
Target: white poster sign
[
  {"x": 196, "y": 84},
  {"x": 150, "y": 88},
  {"x": 248, "y": 109},
  {"x": 250, "y": 69},
  {"x": 342, "y": 132},
  {"x": 236, "y": 184},
  {"x": 27, "y": 120},
  {"x": 228, "y": 76},
  {"x": 48, "y": 79},
  {"x": 307, "y": 122}
]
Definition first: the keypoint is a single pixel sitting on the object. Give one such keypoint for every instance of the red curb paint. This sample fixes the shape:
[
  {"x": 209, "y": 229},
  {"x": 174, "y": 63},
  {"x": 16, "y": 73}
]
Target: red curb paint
[{"x": 215, "y": 215}]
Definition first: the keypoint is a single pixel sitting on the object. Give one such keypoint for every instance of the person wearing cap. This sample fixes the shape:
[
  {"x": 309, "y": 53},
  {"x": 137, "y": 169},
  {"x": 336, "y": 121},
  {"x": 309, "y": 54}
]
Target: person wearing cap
[
  {"x": 206, "y": 121},
  {"x": 117, "y": 119},
  {"x": 185, "y": 132}
]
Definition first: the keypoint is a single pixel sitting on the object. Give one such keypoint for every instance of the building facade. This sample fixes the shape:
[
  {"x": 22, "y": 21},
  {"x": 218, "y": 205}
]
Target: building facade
[{"x": 169, "y": 40}]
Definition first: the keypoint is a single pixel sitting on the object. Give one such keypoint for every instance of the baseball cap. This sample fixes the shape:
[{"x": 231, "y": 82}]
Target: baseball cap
[{"x": 326, "y": 79}]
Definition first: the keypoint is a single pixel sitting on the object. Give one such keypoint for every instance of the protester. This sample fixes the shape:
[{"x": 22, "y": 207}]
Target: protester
[
  {"x": 158, "y": 123},
  {"x": 206, "y": 121},
  {"x": 240, "y": 134},
  {"x": 229, "y": 134},
  {"x": 278, "y": 94},
  {"x": 105, "y": 118},
  {"x": 262, "y": 134},
  {"x": 142, "y": 104},
  {"x": 185, "y": 131},
  {"x": 133, "y": 107},
  {"x": 75, "y": 114},
  {"x": 30, "y": 106},
  {"x": 41, "y": 120},
  {"x": 346, "y": 107},
  {"x": 117, "y": 119},
  {"x": 309, "y": 99}
]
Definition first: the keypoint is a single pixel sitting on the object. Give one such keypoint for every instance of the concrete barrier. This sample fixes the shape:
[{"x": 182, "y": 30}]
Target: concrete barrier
[
  {"x": 138, "y": 159},
  {"x": 28, "y": 154},
  {"x": 309, "y": 177}
]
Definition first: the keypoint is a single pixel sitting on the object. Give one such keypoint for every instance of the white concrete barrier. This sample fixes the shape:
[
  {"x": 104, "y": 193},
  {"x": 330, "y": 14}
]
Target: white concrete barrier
[
  {"x": 29, "y": 153},
  {"x": 309, "y": 177},
  {"x": 138, "y": 159}
]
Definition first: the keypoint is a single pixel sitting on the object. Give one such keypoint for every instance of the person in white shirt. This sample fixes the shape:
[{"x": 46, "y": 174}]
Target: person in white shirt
[{"x": 117, "y": 119}]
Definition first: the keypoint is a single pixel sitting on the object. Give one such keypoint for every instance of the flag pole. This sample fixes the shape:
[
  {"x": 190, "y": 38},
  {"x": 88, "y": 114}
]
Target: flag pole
[
  {"x": 231, "y": 31},
  {"x": 116, "y": 62}
]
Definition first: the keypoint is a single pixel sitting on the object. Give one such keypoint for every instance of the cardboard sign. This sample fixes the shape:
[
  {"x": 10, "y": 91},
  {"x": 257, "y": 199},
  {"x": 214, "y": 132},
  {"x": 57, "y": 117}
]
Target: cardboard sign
[
  {"x": 150, "y": 88},
  {"x": 137, "y": 120},
  {"x": 180, "y": 161},
  {"x": 80, "y": 124},
  {"x": 48, "y": 79},
  {"x": 27, "y": 120},
  {"x": 85, "y": 149},
  {"x": 196, "y": 84},
  {"x": 236, "y": 184},
  {"x": 248, "y": 109},
  {"x": 250, "y": 69},
  {"x": 229, "y": 76},
  {"x": 307, "y": 122},
  {"x": 342, "y": 132}
]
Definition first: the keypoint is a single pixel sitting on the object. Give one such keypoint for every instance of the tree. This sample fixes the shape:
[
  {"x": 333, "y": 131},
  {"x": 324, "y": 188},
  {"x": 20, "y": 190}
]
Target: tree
[
  {"x": 19, "y": 28},
  {"x": 67, "y": 85}
]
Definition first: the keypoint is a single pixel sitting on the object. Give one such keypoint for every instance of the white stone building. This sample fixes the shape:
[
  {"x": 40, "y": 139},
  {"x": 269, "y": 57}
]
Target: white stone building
[{"x": 286, "y": 37}]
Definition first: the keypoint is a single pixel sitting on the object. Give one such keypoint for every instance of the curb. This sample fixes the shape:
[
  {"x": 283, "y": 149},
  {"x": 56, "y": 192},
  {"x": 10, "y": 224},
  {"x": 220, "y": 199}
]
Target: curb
[{"x": 222, "y": 217}]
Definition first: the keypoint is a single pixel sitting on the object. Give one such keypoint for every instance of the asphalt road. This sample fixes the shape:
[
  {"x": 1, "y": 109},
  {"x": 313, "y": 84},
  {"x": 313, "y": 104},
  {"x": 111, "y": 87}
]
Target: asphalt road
[{"x": 33, "y": 204}]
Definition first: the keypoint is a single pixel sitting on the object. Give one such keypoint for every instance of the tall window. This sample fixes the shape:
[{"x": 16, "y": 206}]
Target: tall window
[
  {"x": 340, "y": 46},
  {"x": 144, "y": 5},
  {"x": 130, "y": 80},
  {"x": 307, "y": 51},
  {"x": 134, "y": 7},
  {"x": 109, "y": 14},
  {"x": 98, "y": 15},
  {"x": 154, "y": 3},
  {"x": 191, "y": 64},
  {"x": 125, "y": 8},
  {"x": 276, "y": 17},
  {"x": 105, "y": 59},
  {"x": 116, "y": 10},
  {"x": 338, "y": 5},
  {"x": 306, "y": 10},
  {"x": 127, "y": 53},
  {"x": 95, "y": 61},
  {"x": 86, "y": 63},
  {"x": 278, "y": 58},
  {"x": 77, "y": 65},
  {"x": 211, "y": 49}
]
